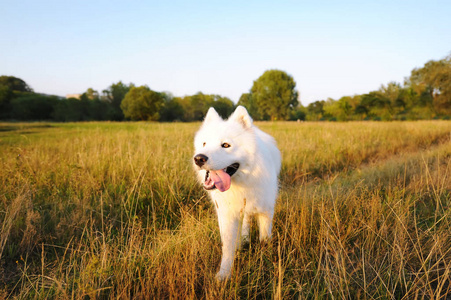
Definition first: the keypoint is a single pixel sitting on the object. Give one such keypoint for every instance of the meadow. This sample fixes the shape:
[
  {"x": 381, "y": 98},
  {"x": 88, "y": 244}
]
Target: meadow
[{"x": 113, "y": 211}]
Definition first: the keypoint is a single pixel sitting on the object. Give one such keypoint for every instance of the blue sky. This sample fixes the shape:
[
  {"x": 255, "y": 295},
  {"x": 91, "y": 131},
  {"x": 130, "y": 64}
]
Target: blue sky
[{"x": 331, "y": 48}]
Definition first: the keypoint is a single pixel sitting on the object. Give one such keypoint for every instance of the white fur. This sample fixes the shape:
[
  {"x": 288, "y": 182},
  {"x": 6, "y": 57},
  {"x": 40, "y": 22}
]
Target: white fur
[{"x": 254, "y": 186}]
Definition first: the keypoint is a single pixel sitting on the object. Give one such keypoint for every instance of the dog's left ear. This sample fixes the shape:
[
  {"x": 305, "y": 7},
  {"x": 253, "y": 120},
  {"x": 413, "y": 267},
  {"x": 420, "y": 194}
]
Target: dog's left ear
[{"x": 241, "y": 116}]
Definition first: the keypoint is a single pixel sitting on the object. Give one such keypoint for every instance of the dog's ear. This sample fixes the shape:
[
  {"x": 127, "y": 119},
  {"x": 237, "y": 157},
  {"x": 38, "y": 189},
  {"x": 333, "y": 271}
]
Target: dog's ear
[
  {"x": 241, "y": 116},
  {"x": 211, "y": 115}
]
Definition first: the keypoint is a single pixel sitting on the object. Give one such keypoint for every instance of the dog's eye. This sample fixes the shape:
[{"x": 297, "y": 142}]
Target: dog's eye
[
  {"x": 225, "y": 145},
  {"x": 203, "y": 145}
]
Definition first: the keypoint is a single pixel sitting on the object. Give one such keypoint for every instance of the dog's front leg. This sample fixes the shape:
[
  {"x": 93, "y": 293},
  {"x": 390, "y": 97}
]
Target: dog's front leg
[
  {"x": 229, "y": 227},
  {"x": 245, "y": 229},
  {"x": 264, "y": 221}
]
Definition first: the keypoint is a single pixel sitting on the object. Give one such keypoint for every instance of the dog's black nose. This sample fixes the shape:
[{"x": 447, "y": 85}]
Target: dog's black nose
[{"x": 200, "y": 159}]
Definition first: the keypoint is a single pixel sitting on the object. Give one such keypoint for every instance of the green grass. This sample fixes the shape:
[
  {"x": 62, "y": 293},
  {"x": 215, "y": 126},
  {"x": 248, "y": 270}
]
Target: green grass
[{"x": 113, "y": 210}]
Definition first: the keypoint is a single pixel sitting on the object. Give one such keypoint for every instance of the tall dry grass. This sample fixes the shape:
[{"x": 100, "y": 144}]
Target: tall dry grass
[{"x": 112, "y": 210}]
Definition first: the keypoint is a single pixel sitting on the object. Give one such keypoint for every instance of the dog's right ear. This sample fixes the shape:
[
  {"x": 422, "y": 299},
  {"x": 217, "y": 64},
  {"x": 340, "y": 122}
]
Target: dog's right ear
[
  {"x": 211, "y": 116},
  {"x": 241, "y": 116}
]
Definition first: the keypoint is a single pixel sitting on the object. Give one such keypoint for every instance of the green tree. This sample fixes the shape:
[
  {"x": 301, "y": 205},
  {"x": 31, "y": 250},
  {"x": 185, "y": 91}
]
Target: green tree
[
  {"x": 338, "y": 110},
  {"x": 275, "y": 94},
  {"x": 223, "y": 105},
  {"x": 91, "y": 94},
  {"x": 376, "y": 105},
  {"x": 199, "y": 104},
  {"x": 114, "y": 95},
  {"x": 15, "y": 84},
  {"x": 33, "y": 107},
  {"x": 172, "y": 109},
  {"x": 70, "y": 110},
  {"x": 361, "y": 111},
  {"x": 6, "y": 95},
  {"x": 298, "y": 114},
  {"x": 141, "y": 103},
  {"x": 435, "y": 78},
  {"x": 248, "y": 101},
  {"x": 315, "y": 110},
  {"x": 195, "y": 107}
]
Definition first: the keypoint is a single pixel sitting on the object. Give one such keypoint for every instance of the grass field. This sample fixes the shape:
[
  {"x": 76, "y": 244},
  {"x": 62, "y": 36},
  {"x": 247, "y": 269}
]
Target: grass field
[{"x": 113, "y": 210}]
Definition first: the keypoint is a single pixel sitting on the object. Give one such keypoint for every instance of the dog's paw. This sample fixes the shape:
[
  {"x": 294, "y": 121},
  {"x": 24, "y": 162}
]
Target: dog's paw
[{"x": 222, "y": 275}]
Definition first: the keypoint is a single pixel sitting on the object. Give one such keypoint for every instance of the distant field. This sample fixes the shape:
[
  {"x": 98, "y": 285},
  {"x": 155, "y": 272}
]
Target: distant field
[{"x": 113, "y": 210}]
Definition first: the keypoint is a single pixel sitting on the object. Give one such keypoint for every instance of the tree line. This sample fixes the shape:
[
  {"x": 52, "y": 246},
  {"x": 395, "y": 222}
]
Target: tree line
[
  {"x": 116, "y": 103},
  {"x": 425, "y": 94}
]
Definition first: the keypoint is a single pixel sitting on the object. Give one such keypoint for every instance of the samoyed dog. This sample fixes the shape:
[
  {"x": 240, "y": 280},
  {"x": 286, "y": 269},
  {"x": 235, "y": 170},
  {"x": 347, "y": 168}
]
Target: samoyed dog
[{"x": 238, "y": 165}]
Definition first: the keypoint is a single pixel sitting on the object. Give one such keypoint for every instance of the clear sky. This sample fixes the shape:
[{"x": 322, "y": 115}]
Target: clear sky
[{"x": 331, "y": 48}]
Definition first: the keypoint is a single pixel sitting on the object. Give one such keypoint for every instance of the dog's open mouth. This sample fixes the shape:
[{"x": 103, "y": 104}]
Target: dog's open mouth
[{"x": 220, "y": 179}]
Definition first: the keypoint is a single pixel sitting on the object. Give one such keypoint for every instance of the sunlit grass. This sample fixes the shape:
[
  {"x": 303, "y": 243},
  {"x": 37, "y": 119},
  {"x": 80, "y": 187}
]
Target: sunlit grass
[{"x": 113, "y": 210}]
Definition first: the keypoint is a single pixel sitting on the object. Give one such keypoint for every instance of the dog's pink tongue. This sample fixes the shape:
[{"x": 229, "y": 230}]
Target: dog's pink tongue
[{"x": 221, "y": 180}]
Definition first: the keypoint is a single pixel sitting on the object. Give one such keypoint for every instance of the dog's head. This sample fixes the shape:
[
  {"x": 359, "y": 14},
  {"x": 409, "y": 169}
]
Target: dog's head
[{"x": 223, "y": 148}]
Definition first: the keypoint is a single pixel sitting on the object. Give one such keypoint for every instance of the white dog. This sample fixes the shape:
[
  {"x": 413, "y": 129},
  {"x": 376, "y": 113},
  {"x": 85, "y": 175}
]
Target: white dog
[{"x": 238, "y": 164}]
